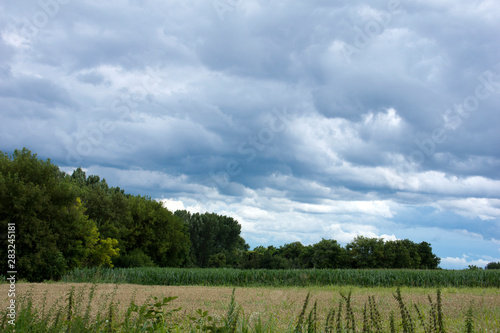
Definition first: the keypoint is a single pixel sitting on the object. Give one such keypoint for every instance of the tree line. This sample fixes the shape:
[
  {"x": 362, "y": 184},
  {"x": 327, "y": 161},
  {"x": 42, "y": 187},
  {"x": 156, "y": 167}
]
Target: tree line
[{"x": 67, "y": 221}]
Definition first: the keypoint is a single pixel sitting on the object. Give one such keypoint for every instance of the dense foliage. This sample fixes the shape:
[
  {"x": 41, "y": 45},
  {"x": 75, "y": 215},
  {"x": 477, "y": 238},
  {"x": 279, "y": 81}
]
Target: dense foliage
[
  {"x": 53, "y": 231},
  {"x": 493, "y": 265},
  {"x": 362, "y": 252},
  {"x": 65, "y": 222},
  {"x": 75, "y": 221}
]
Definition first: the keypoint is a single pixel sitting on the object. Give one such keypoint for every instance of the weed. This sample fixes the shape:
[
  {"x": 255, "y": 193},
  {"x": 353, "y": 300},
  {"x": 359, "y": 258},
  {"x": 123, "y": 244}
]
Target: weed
[
  {"x": 157, "y": 315},
  {"x": 469, "y": 320}
]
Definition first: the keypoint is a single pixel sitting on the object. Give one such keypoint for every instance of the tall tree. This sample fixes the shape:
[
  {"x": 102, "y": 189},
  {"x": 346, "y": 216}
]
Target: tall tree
[
  {"x": 53, "y": 233},
  {"x": 402, "y": 254},
  {"x": 292, "y": 253},
  {"x": 428, "y": 260},
  {"x": 157, "y": 232},
  {"x": 366, "y": 252},
  {"x": 211, "y": 234},
  {"x": 329, "y": 254}
]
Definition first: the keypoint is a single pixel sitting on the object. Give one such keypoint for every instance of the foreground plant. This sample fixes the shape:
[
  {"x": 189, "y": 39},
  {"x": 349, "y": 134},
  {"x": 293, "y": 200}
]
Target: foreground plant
[{"x": 158, "y": 315}]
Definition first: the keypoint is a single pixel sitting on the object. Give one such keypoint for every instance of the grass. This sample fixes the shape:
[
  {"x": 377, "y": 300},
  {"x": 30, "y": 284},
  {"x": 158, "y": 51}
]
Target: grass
[
  {"x": 85, "y": 308},
  {"x": 280, "y": 278}
]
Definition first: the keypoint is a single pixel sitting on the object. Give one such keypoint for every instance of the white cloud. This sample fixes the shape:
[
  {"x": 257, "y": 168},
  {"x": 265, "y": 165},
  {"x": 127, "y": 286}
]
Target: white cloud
[
  {"x": 347, "y": 233},
  {"x": 377, "y": 208},
  {"x": 462, "y": 263},
  {"x": 172, "y": 205},
  {"x": 483, "y": 208}
]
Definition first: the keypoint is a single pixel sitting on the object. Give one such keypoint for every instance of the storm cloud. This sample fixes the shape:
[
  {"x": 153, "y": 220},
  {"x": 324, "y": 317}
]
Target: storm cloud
[{"x": 302, "y": 120}]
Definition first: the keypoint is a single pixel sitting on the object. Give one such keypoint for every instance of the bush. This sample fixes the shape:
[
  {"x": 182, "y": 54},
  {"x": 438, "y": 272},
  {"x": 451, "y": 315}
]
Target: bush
[{"x": 135, "y": 258}]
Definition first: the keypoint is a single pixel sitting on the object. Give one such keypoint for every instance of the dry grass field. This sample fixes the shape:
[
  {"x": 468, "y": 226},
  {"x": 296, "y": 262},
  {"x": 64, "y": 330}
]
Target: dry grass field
[{"x": 277, "y": 306}]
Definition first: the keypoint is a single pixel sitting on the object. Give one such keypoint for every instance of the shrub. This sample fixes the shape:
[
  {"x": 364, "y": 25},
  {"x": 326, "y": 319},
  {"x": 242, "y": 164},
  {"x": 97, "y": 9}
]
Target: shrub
[{"x": 135, "y": 258}]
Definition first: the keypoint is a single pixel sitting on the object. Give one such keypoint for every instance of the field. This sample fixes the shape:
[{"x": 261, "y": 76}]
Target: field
[
  {"x": 280, "y": 278},
  {"x": 103, "y": 307}
]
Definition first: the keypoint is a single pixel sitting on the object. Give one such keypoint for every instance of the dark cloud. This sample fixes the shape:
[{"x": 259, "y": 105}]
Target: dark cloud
[{"x": 303, "y": 120}]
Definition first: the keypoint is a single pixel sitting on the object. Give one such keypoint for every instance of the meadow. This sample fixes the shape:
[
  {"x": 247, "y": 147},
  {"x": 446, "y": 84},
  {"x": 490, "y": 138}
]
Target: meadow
[{"x": 258, "y": 301}]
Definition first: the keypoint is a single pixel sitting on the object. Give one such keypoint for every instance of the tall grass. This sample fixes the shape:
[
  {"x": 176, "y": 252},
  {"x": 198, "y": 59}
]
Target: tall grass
[
  {"x": 157, "y": 316},
  {"x": 278, "y": 278}
]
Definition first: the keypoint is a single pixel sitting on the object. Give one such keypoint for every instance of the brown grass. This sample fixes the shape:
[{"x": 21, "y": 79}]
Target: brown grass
[{"x": 284, "y": 304}]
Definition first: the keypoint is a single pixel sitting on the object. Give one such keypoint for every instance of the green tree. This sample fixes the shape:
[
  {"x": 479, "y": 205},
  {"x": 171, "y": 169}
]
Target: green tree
[
  {"x": 428, "y": 260},
  {"x": 292, "y": 253},
  {"x": 53, "y": 233},
  {"x": 217, "y": 260},
  {"x": 108, "y": 207},
  {"x": 366, "y": 252},
  {"x": 307, "y": 257},
  {"x": 402, "y": 254},
  {"x": 135, "y": 258},
  {"x": 253, "y": 259},
  {"x": 493, "y": 265},
  {"x": 211, "y": 234},
  {"x": 157, "y": 232},
  {"x": 328, "y": 254}
]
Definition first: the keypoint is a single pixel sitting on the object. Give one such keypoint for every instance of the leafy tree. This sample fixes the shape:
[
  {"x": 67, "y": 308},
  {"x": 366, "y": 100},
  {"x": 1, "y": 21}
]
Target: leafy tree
[
  {"x": 135, "y": 258},
  {"x": 366, "y": 252},
  {"x": 271, "y": 259},
  {"x": 53, "y": 233},
  {"x": 328, "y": 254},
  {"x": 138, "y": 223},
  {"x": 252, "y": 259},
  {"x": 493, "y": 265},
  {"x": 157, "y": 232},
  {"x": 307, "y": 257},
  {"x": 211, "y": 234},
  {"x": 474, "y": 268},
  {"x": 108, "y": 207},
  {"x": 428, "y": 260},
  {"x": 217, "y": 260},
  {"x": 292, "y": 253},
  {"x": 264, "y": 258},
  {"x": 402, "y": 254}
]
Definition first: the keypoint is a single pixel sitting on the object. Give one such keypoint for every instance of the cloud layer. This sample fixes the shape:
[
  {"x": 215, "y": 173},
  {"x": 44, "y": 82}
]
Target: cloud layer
[{"x": 303, "y": 120}]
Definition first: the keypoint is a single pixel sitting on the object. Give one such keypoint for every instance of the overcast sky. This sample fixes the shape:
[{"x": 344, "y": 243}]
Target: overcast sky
[{"x": 301, "y": 119}]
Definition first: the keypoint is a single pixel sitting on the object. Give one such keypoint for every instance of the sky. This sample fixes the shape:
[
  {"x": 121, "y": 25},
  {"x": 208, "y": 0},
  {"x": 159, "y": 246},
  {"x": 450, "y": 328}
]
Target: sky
[{"x": 303, "y": 120}]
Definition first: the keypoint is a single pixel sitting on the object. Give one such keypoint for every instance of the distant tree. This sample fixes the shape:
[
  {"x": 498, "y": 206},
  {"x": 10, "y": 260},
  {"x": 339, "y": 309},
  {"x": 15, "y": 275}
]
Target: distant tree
[
  {"x": 428, "y": 260},
  {"x": 307, "y": 257},
  {"x": 252, "y": 259},
  {"x": 402, "y": 254},
  {"x": 474, "y": 268},
  {"x": 142, "y": 226},
  {"x": 366, "y": 252},
  {"x": 108, "y": 207},
  {"x": 211, "y": 234},
  {"x": 217, "y": 260},
  {"x": 292, "y": 254},
  {"x": 157, "y": 232},
  {"x": 493, "y": 265},
  {"x": 272, "y": 259},
  {"x": 135, "y": 258},
  {"x": 328, "y": 254}
]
